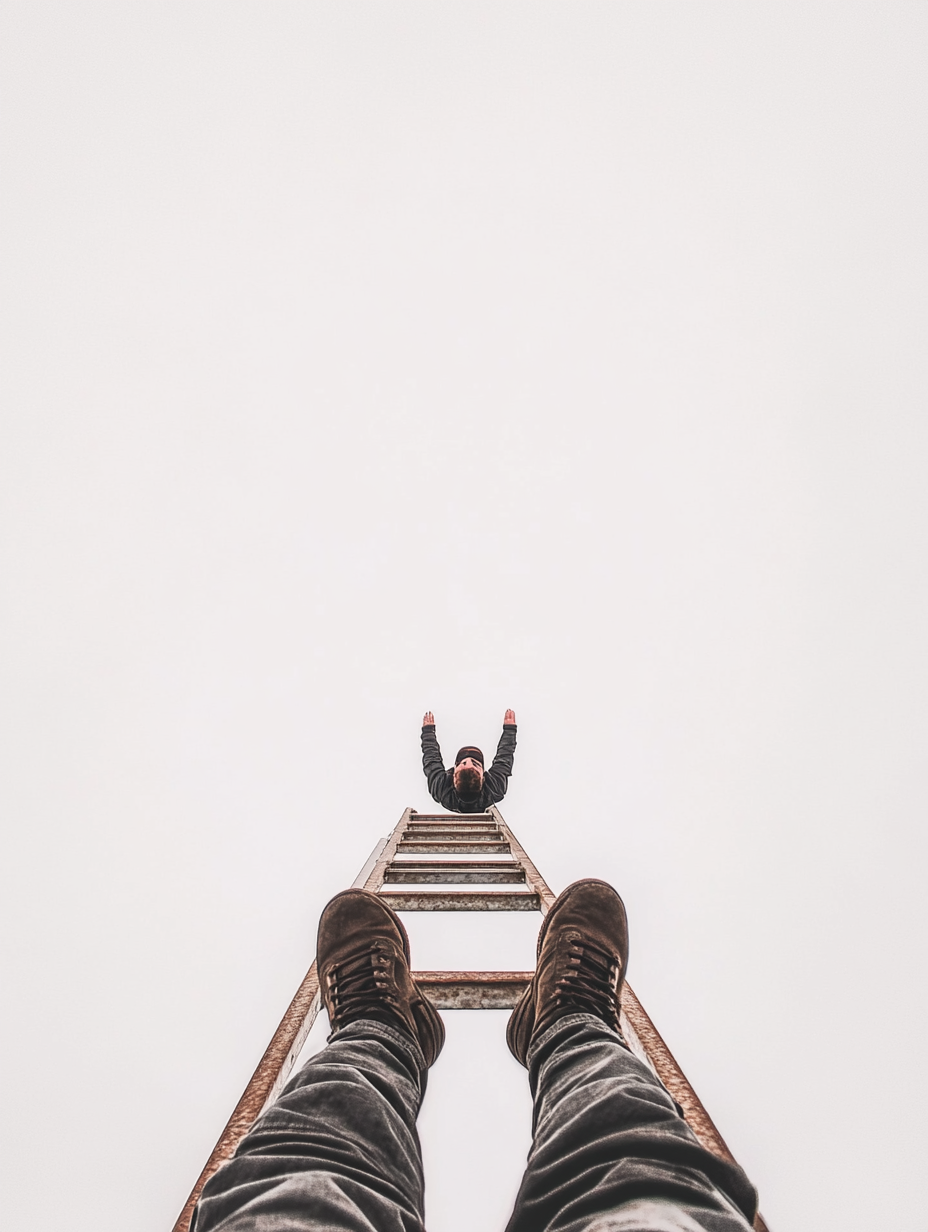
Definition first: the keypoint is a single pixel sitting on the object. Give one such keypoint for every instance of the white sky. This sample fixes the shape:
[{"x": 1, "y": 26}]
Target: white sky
[{"x": 360, "y": 359}]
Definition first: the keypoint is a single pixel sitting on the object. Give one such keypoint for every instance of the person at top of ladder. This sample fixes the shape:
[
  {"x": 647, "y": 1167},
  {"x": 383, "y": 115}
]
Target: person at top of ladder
[{"x": 468, "y": 788}]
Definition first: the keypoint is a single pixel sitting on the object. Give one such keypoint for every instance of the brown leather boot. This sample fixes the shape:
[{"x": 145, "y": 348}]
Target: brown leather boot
[
  {"x": 362, "y": 953},
  {"x": 582, "y": 956}
]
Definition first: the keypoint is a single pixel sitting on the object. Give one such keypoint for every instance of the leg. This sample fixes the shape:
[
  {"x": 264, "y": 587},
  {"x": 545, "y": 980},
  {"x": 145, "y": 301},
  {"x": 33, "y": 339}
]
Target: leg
[
  {"x": 339, "y": 1151},
  {"x": 339, "y": 1148},
  {"x": 610, "y": 1152}
]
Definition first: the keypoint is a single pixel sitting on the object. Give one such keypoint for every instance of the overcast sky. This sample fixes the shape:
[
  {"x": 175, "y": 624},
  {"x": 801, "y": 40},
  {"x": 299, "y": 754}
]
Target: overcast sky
[{"x": 360, "y": 359}]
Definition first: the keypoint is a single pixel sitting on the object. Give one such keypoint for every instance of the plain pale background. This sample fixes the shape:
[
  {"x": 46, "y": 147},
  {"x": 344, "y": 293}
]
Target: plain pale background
[{"x": 361, "y": 359}]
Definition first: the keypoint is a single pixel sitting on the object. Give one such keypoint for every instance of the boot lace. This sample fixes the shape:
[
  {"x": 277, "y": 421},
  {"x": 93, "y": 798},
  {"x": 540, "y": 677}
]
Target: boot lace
[
  {"x": 589, "y": 982},
  {"x": 361, "y": 985}
]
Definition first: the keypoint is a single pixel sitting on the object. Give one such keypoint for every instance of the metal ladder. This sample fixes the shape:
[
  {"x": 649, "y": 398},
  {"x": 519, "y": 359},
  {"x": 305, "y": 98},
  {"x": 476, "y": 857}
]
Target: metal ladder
[{"x": 392, "y": 864}]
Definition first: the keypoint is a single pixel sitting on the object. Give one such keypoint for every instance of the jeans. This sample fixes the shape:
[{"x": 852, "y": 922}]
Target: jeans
[{"x": 339, "y": 1149}]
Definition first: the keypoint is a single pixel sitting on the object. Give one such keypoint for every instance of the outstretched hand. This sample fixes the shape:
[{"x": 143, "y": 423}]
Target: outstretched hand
[
  {"x": 428, "y": 719},
  {"x": 509, "y": 718}
]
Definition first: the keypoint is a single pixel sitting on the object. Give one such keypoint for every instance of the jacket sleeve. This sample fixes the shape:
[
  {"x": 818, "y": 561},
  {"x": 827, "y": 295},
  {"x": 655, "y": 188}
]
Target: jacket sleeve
[
  {"x": 432, "y": 765},
  {"x": 496, "y": 779}
]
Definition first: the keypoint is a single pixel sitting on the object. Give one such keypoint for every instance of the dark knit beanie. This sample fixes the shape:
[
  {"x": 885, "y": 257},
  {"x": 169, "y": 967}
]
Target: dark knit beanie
[{"x": 469, "y": 750}]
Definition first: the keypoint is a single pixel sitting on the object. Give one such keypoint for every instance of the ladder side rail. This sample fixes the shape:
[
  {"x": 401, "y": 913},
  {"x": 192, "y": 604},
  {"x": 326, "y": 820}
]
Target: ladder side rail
[
  {"x": 299, "y": 1040},
  {"x": 387, "y": 854},
  {"x": 451, "y": 990},
  {"x": 546, "y": 897},
  {"x": 647, "y": 1036},
  {"x": 533, "y": 878},
  {"x": 305, "y": 1005},
  {"x": 671, "y": 1075},
  {"x": 281, "y": 1053}
]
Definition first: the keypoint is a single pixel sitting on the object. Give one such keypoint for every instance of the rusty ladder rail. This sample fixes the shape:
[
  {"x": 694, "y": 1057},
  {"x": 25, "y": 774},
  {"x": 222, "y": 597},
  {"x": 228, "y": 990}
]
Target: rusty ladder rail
[{"x": 389, "y": 865}]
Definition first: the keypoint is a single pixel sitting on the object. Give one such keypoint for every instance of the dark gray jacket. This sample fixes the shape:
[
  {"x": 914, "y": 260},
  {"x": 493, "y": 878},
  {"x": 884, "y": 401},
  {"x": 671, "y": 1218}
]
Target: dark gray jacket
[{"x": 441, "y": 781}]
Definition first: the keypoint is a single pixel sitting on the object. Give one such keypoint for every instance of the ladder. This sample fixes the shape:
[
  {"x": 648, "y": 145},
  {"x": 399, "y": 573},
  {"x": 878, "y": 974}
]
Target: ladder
[{"x": 392, "y": 864}]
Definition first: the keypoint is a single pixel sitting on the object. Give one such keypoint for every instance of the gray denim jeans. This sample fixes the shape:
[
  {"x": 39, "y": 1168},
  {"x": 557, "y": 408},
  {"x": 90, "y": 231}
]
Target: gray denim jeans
[{"x": 339, "y": 1149}]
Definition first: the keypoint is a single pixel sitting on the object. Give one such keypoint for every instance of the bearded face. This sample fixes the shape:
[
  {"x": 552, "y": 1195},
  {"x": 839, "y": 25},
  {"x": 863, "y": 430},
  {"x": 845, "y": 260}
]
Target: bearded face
[{"x": 468, "y": 779}]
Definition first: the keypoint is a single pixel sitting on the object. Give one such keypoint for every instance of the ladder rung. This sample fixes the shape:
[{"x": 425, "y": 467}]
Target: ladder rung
[
  {"x": 451, "y": 832},
  {"x": 465, "y": 837},
  {"x": 461, "y": 900},
  {"x": 462, "y": 872},
  {"x": 459, "y": 848},
  {"x": 489, "y": 827},
  {"x": 473, "y": 990},
  {"x": 452, "y": 827},
  {"x": 451, "y": 817}
]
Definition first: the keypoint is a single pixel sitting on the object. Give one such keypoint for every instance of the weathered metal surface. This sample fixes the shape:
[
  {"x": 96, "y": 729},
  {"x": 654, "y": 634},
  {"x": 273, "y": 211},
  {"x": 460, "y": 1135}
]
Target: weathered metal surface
[
  {"x": 375, "y": 880},
  {"x": 303, "y": 1007},
  {"x": 671, "y": 1075},
  {"x": 449, "y": 818},
  {"x": 453, "y": 848},
  {"x": 658, "y": 1055},
  {"x": 533, "y": 878},
  {"x": 452, "y": 826},
  {"x": 466, "y": 836},
  {"x": 473, "y": 990},
  {"x": 369, "y": 864},
  {"x": 452, "y": 832},
  {"x": 446, "y": 833},
  {"x": 440, "y": 840},
  {"x": 461, "y": 872},
  {"x": 276, "y": 1064},
  {"x": 460, "y": 900},
  {"x": 451, "y": 836}
]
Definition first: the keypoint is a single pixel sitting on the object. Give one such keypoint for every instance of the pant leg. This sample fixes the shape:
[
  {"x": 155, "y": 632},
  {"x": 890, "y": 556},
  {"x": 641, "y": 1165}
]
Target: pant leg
[
  {"x": 611, "y": 1153},
  {"x": 337, "y": 1151}
]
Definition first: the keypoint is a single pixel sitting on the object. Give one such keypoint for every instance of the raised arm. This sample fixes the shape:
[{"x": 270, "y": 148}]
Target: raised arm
[
  {"x": 496, "y": 779},
  {"x": 432, "y": 765}
]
